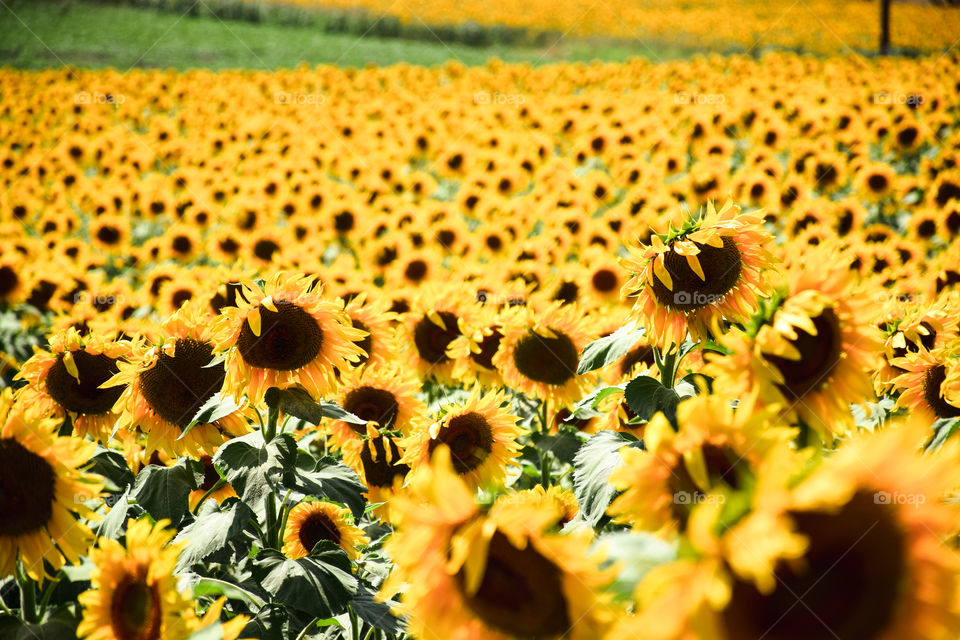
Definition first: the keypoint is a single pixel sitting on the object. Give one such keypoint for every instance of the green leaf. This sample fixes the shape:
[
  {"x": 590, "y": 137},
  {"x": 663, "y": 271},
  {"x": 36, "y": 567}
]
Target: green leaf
[
  {"x": 298, "y": 403},
  {"x": 607, "y": 349},
  {"x": 320, "y": 584},
  {"x": 254, "y": 467},
  {"x": 60, "y": 626},
  {"x": 593, "y": 464},
  {"x": 210, "y": 632},
  {"x": 635, "y": 554},
  {"x": 564, "y": 445},
  {"x": 214, "y": 587},
  {"x": 328, "y": 479},
  {"x": 585, "y": 408},
  {"x": 942, "y": 429},
  {"x": 113, "y": 467},
  {"x": 646, "y": 397},
  {"x": 214, "y": 527},
  {"x": 218, "y": 406},
  {"x": 163, "y": 491},
  {"x": 113, "y": 522},
  {"x": 374, "y": 612}
]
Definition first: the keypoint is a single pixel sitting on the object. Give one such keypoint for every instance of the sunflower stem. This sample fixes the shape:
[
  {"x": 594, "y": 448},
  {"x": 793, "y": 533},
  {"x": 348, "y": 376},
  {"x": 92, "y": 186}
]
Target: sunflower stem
[
  {"x": 354, "y": 624},
  {"x": 48, "y": 593},
  {"x": 544, "y": 424},
  {"x": 219, "y": 483},
  {"x": 271, "y": 521},
  {"x": 282, "y": 521},
  {"x": 270, "y": 431},
  {"x": 544, "y": 468},
  {"x": 28, "y": 596}
]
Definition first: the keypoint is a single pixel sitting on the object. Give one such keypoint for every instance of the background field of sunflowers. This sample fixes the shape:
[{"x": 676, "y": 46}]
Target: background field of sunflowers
[{"x": 642, "y": 349}]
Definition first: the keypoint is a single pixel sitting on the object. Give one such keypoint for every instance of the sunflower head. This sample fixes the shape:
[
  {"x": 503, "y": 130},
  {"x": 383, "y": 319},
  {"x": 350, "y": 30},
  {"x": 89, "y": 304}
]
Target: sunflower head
[
  {"x": 710, "y": 268},
  {"x": 310, "y": 522}
]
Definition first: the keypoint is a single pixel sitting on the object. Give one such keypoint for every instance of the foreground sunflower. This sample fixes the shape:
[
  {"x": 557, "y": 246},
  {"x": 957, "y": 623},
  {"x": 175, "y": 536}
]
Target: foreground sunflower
[
  {"x": 67, "y": 378},
  {"x": 813, "y": 352},
  {"x": 284, "y": 334},
  {"x": 859, "y": 549},
  {"x": 465, "y": 574},
  {"x": 310, "y": 522},
  {"x": 689, "y": 279},
  {"x": 540, "y": 352},
  {"x": 717, "y": 449},
  {"x": 42, "y": 491},
  {"x": 167, "y": 382},
  {"x": 134, "y": 593},
  {"x": 480, "y": 434}
]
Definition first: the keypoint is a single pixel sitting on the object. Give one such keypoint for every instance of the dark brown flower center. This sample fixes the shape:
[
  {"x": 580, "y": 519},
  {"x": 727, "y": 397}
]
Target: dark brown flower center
[
  {"x": 432, "y": 341},
  {"x": 84, "y": 396},
  {"x": 380, "y": 472},
  {"x": 521, "y": 592},
  {"x": 136, "y": 610},
  {"x": 470, "y": 439},
  {"x": 26, "y": 489},
  {"x": 177, "y": 386},
  {"x": 877, "y": 182},
  {"x": 819, "y": 354},
  {"x": 721, "y": 269},
  {"x": 721, "y": 463},
  {"x": 289, "y": 338},
  {"x": 931, "y": 393},
  {"x": 637, "y": 355},
  {"x": 605, "y": 280},
  {"x": 318, "y": 526},
  {"x": 365, "y": 343},
  {"x": 847, "y": 586},
  {"x": 488, "y": 349},
  {"x": 548, "y": 360},
  {"x": 8, "y": 280},
  {"x": 210, "y": 474},
  {"x": 372, "y": 405}
]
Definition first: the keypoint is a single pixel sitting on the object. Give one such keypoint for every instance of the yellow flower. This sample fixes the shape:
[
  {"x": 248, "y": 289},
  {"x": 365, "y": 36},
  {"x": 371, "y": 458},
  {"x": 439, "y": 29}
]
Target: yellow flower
[{"x": 310, "y": 522}]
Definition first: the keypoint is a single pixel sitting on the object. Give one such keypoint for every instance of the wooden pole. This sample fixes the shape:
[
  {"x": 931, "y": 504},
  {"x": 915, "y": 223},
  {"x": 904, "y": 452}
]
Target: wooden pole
[{"x": 884, "y": 27}]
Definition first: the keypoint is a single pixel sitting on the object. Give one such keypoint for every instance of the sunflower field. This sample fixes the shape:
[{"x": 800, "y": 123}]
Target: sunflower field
[{"x": 652, "y": 350}]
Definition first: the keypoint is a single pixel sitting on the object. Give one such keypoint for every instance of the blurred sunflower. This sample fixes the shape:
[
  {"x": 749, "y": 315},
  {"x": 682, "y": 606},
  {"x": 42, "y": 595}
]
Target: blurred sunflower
[
  {"x": 717, "y": 449},
  {"x": 480, "y": 433},
  {"x": 540, "y": 352},
  {"x": 711, "y": 268},
  {"x": 466, "y": 574},
  {"x": 283, "y": 334},
  {"x": 67, "y": 379},
  {"x": 43, "y": 491},
  {"x": 930, "y": 384},
  {"x": 310, "y": 522},
  {"x": 166, "y": 383}
]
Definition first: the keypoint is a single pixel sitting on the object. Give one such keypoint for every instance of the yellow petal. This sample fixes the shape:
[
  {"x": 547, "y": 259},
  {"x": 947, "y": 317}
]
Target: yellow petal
[
  {"x": 697, "y": 468},
  {"x": 71, "y": 365},
  {"x": 694, "y": 263},
  {"x": 661, "y": 272},
  {"x": 268, "y": 303},
  {"x": 436, "y": 319},
  {"x": 253, "y": 319},
  {"x": 686, "y": 248}
]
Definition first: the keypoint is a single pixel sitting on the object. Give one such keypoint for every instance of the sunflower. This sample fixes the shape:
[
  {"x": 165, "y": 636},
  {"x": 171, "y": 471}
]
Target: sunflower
[
  {"x": 861, "y": 541},
  {"x": 384, "y": 397},
  {"x": 380, "y": 344},
  {"x": 540, "y": 352},
  {"x": 134, "y": 593},
  {"x": 466, "y": 574},
  {"x": 165, "y": 384},
  {"x": 43, "y": 491},
  {"x": 480, "y": 433},
  {"x": 812, "y": 355},
  {"x": 914, "y": 329},
  {"x": 473, "y": 351},
  {"x": 310, "y": 522},
  {"x": 431, "y": 328},
  {"x": 930, "y": 384},
  {"x": 210, "y": 478},
  {"x": 377, "y": 460},
  {"x": 283, "y": 334},
  {"x": 717, "y": 449},
  {"x": 712, "y": 267},
  {"x": 67, "y": 379}
]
